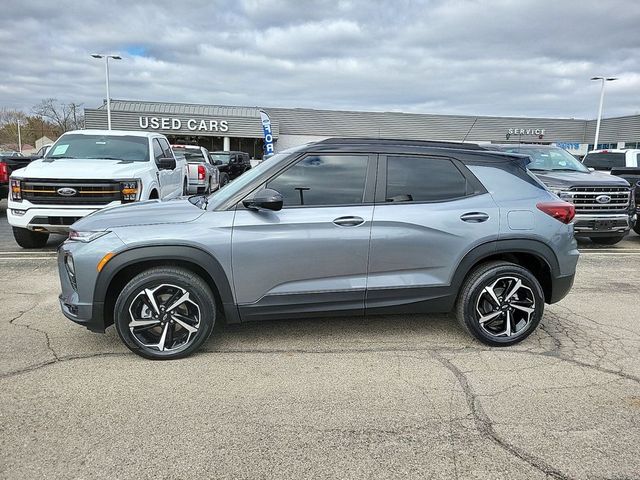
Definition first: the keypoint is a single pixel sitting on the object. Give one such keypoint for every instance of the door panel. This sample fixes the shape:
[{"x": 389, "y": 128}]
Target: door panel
[
  {"x": 299, "y": 260},
  {"x": 431, "y": 211}
]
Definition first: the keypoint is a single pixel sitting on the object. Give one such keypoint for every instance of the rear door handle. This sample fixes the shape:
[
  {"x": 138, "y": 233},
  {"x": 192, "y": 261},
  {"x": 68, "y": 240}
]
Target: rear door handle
[
  {"x": 348, "y": 221},
  {"x": 474, "y": 217}
]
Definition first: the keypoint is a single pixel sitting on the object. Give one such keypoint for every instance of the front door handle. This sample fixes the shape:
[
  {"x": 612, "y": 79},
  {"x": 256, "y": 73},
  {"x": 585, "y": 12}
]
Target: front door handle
[
  {"x": 348, "y": 221},
  {"x": 474, "y": 217}
]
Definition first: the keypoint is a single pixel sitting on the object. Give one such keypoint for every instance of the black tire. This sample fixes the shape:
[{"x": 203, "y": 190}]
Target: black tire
[
  {"x": 607, "y": 240},
  {"x": 224, "y": 179},
  {"x": 175, "y": 282},
  {"x": 636, "y": 227},
  {"x": 30, "y": 239},
  {"x": 470, "y": 301},
  {"x": 185, "y": 188}
]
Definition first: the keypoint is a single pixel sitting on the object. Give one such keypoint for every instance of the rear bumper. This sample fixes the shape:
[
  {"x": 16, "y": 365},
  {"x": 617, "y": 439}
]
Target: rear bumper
[
  {"x": 561, "y": 287},
  {"x": 602, "y": 225}
]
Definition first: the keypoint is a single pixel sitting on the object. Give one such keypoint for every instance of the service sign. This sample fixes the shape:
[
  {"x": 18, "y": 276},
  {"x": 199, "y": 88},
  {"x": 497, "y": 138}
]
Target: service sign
[
  {"x": 193, "y": 124},
  {"x": 525, "y": 131}
]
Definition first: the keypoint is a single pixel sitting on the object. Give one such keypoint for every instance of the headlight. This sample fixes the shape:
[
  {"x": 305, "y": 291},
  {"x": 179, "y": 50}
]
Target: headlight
[
  {"x": 85, "y": 236},
  {"x": 565, "y": 195},
  {"x": 71, "y": 270},
  {"x": 130, "y": 190},
  {"x": 16, "y": 190}
]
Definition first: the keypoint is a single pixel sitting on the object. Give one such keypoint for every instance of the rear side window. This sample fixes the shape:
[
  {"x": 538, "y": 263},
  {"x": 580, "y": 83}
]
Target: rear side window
[
  {"x": 604, "y": 161},
  {"x": 423, "y": 179},
  {"x": 323, "y": 180}
]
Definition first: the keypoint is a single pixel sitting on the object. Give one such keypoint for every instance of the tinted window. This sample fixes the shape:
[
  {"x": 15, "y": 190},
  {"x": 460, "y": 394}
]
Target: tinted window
[
  {"x": 323, "y": 180},
  {"x": 604, "y": 161},
  {"x": 421, "y": 179},
  {"x": 103, "y": 147}
]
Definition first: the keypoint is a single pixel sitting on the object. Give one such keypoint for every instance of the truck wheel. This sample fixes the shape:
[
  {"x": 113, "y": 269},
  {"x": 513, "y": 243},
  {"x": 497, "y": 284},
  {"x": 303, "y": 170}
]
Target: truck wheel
[
  {"x": 185, "y": 188},
  {"x": 165, "y": 313},
  {"x": 224, "y": 179},
  {"x": 606, "y": 240},
  {"x": 500, "y": 303},
  {"x": 30, "y": 239},
  {"x": 636, "y": 227}
]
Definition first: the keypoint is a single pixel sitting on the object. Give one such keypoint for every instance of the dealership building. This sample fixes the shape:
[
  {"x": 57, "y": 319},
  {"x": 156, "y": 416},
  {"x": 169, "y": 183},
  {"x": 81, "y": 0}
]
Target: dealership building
[{"x": 219, "y": 127}]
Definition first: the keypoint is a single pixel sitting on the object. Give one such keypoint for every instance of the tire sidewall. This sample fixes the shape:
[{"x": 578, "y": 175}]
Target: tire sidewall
[
  {"x": 487, "y": 278},
  {"x": 197, "y": 289}
]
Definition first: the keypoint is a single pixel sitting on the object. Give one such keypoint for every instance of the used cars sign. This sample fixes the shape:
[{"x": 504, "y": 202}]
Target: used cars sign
[{"x": 169, "y": 123}]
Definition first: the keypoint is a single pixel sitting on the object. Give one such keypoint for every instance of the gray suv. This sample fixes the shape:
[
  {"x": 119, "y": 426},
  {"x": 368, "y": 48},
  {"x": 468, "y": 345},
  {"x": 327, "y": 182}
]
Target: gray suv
[{"x": 339, "y": 227}]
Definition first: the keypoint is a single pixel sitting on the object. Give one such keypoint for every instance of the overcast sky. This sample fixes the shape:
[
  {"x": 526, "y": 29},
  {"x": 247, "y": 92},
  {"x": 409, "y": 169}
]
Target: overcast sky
[{"x": 519, "y": 57}]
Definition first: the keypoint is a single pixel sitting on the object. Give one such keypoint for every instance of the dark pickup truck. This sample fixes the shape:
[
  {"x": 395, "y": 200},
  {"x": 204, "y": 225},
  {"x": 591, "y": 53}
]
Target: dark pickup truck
[
  {"x": 10, "y": 161},
  {"x": 605, "y": 204}
]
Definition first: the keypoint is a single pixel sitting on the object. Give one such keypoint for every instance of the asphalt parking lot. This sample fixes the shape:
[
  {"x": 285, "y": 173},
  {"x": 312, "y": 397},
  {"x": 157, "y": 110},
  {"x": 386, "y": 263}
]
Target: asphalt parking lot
[{"x": 382, "y": 397}]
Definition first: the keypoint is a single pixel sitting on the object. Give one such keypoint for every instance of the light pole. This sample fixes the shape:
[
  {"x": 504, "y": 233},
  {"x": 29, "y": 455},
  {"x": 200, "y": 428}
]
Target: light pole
[
  {"x": 603, "y": 80},
  {"x": 19, "y": 137},
  {"x": 106, "y": 72}
]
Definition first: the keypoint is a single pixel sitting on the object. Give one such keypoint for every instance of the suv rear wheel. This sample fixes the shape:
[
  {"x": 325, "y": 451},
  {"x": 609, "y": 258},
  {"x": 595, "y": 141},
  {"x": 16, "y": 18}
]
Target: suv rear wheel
[
  {"x": 500, "y": 303},
  {"x": 29, "y": 239},
  {"x": 165, "y": 313}
]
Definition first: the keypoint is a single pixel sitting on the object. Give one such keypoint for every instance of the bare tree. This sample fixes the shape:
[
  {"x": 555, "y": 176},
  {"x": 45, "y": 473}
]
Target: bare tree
[{"x": 65, "y": 116}]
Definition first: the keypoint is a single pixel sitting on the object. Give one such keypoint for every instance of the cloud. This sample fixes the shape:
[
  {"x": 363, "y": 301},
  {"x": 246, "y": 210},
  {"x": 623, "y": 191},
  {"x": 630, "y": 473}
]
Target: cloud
[{"x": 494, "y": 57}]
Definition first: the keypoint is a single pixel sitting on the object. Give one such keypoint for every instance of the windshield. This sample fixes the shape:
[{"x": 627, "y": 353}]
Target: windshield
[
  {"x": 103, "y": 147},
  {"x": 220, "y": 157},
  {"x": 192, "y": 155},
  {"x": 555, "y": 159},
  {"x": 10, "y": 154}
]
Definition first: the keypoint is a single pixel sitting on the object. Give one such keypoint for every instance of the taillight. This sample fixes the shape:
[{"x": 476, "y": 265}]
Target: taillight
[
  {"x": 4, "y": 173},
  {"x": 561, "y": 211},
  {"x": 201, "y": 172}
]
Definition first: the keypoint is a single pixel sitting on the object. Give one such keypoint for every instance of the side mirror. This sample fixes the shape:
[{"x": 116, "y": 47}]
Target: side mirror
[
  {"x": 166, "y": 163},
  {"x": 266, "y": 199}
]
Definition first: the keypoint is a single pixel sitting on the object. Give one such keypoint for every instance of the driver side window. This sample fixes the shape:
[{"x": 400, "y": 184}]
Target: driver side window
[
  {"x": 323, "y": 180},
  {"x": 157, "y": 150}
]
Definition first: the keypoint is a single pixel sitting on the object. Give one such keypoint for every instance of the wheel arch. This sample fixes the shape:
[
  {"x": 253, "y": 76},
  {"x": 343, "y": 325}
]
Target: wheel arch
[
  {"x": 533, "y": 255},
  {"x": 125, "y": 265}
]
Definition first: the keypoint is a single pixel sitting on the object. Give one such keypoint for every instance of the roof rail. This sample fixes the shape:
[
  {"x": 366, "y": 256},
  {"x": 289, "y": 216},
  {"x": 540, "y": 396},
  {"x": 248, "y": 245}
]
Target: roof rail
[{"x": 399, "y": 141}]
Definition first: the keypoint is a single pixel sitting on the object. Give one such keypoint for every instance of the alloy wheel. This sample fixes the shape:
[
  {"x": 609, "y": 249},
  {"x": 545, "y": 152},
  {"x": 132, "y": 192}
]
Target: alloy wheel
[
  {"x": 164, "y": 318},
  {"x": 505, "y": 308}
]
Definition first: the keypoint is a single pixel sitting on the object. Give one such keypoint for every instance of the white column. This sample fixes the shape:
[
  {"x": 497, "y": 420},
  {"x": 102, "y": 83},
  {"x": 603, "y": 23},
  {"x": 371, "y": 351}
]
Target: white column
[{"x": 226, "y": 144}]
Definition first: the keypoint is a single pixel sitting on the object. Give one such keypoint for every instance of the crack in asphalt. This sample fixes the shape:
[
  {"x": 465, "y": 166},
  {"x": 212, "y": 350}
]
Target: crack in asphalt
[
  {"x": 484, "y": 425},
  {"x": 34, "y": 329}
]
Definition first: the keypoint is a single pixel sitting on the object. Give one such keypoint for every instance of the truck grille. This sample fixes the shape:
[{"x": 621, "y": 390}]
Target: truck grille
[
  {"x": 585, "y": 199},
  {"x": 87, "y": 192}
]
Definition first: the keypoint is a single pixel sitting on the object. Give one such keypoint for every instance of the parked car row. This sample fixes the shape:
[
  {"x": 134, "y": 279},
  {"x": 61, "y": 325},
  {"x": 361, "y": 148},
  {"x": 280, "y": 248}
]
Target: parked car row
[{"x": 88, "y": 170}]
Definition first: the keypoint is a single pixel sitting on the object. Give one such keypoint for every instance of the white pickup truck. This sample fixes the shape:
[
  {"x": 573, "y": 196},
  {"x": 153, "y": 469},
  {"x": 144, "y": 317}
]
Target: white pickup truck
[{"x": 87, "y": 170}]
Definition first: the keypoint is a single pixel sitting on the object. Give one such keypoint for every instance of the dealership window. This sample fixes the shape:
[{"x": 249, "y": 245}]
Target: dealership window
[
  {"x": 423, "y": 179},
  {"x": 323, "y": 180}
]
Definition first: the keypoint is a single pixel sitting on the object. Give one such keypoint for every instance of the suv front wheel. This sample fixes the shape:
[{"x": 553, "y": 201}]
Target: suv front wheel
[
  {"x": 500, "y": 303},
  {"x": 165, "y": 313}
]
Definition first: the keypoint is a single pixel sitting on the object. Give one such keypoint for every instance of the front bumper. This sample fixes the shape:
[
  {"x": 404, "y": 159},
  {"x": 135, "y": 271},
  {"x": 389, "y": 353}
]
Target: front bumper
[
  {"x": 602, "y": 225},
  {"x": 77, "y": 301},
  {"x": 54, "y": 218}
]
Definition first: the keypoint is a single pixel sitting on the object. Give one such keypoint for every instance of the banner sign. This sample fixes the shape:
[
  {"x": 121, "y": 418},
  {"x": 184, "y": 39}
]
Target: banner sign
[{"x": 268, "y": 135}]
